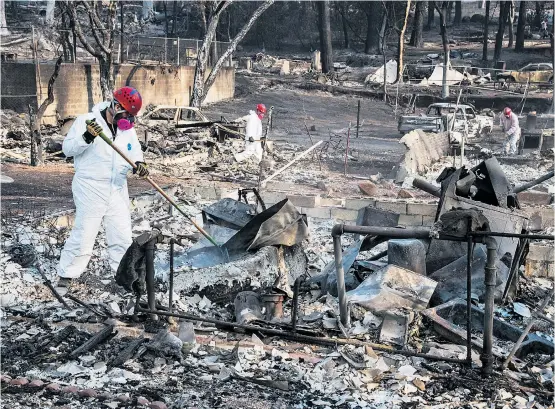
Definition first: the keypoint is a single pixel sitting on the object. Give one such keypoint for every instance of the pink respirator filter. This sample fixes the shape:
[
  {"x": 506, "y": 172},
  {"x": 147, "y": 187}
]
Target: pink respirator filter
[{"x": 125, "y": 124}]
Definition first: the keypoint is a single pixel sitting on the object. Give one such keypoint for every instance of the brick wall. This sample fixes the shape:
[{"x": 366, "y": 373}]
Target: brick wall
[{"x": 77, "y": 87}]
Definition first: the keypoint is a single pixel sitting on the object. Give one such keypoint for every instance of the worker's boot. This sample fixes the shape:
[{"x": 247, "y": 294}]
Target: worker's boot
[
  {"x": 64, "y": 282},
  {"x": 63, "y": 285}
]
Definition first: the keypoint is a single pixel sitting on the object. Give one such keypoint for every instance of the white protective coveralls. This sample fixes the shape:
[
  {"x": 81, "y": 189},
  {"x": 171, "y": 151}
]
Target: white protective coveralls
[
  {"x": 100, "y": 193},
  {"x": 253, "y": 130},
  {"x": 512, "y": 132}
]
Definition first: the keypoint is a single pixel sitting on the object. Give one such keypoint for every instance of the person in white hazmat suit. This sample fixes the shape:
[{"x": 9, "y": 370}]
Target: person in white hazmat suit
[
  {"x": 509, "y": 122},
  {"x": 253, "y": 135},
  {"x": 100, "y": 182}
]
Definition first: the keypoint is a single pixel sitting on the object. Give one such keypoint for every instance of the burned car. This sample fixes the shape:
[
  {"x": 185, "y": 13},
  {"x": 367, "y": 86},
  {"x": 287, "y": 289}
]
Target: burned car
[
  {"x": 177, "y": 116},
  {"x": 531, "y": 73},
  {"x": 438, "y": 119}
]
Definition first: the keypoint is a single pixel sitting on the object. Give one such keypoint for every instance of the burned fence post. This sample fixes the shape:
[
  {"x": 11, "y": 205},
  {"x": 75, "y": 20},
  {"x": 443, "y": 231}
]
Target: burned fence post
[
  {"x": 172, "y": 245},
  {"x": 358, "y": 116},
  {"x": 151, "y": 296}
]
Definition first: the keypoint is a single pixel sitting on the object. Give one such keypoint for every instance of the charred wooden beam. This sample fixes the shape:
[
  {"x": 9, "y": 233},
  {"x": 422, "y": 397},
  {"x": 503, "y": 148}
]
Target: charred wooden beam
[{"x": 93, "y": 341}]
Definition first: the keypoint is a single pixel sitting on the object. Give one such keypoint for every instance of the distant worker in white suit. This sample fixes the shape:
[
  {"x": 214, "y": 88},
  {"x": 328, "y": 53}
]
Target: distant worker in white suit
[
  {"x": 509, "y": 123},
  {"x": 253, "y": 135}
]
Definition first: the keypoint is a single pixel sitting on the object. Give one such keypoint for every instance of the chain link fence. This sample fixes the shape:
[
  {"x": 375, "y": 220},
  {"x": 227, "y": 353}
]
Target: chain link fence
[{"x": 166, "y": 50}]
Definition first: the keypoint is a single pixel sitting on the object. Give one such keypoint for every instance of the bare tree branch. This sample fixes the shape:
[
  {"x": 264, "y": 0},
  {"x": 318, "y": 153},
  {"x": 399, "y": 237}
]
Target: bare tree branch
[
  {"x": 231, "y": 49},
  {"x": 79, "y": 31},
  {"x": 99, "y": 42}
]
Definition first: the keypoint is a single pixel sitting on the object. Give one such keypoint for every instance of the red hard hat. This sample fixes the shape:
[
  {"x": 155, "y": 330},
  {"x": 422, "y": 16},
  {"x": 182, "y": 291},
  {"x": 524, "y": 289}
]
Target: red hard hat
[
  {"x": 261, "y": 108},
  {"x": 130, "y": 99},
  {"x": 507, "y": 111}
]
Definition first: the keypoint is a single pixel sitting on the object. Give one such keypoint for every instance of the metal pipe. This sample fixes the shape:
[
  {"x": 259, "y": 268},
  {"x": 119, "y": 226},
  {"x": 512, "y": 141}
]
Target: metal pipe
[
  {"x": 389, "y": 232},
  {"x": 338, "y": 254},
  {"x": 534, "y": 182},
  {"x": 151, "y": 296},
  {"x": 296, "y": 292},
  {"x": 172, "y": 242},
  {"x": 489, "y": 305},
  {"x": 304, "y": 338},
  {"x": 517, "y": 235},
  {"x": 338, "y": 230},
  {"x": 427, "y": 187},
  {"x": 533, "y": 320},
  {"x": 469, "y": 257}
]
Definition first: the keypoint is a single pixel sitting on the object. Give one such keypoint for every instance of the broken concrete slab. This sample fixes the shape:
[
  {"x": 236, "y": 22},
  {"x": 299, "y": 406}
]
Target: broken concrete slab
[
  {"x": 393, "y": 287},
  {"x": 423, "y": 149}
]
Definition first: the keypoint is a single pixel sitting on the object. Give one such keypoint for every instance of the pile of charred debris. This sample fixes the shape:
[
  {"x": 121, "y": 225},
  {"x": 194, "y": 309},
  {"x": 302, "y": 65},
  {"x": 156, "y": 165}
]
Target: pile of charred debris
[{"x": 303, "y": 313}]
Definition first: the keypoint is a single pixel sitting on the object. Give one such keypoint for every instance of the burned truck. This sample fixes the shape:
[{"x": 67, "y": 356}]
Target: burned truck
[{"x": 439, "y": 117}]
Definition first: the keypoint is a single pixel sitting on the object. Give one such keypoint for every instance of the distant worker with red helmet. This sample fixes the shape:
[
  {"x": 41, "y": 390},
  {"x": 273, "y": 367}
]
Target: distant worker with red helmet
[
  {"x": 100, "y": 182},
  {"x": 509, "y": 123},
  {"x": 253, "y": 135}
]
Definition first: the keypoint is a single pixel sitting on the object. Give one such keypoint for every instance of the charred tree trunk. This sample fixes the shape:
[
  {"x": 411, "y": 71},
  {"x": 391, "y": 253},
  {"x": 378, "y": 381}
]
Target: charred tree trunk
[
  {"x": 431, "y": 16},
  {"x": 174, "y": 19},
  {"x": 106, "y": 80},
  {"x": 458, "y": 12},
  {"x": 503, "y": 14},
  {"x": 373, "y": 17},
  {"x": 36, "y": 137},
  {"x": 443, "y": 25},
  {"x": 121, "y": 41},
  {"x": 344, "y": 25},
  {"x": 166, "y": 18},
  {"x": 401, "y": 45},
  {"x": 326, "y": 54},
  {"x": 486, "y": 34},
  {"x": 449, "y": 12},
  {"x": 510, "y": 21},
  {"x": 519, "y": 45},
  {"x": 416, "y": 36},
  {"x": 538, "y": 15}
]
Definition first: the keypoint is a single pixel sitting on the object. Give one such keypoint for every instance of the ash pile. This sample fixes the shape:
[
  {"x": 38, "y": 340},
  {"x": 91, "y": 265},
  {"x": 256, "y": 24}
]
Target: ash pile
[{"x": 281, "y": 311}]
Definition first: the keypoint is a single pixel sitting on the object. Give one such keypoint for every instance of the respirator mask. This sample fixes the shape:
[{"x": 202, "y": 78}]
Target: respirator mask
[{"x": 122, "y": 118}]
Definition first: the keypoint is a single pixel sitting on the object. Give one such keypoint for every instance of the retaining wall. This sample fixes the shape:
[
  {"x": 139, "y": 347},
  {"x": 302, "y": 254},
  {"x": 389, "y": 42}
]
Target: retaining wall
[{"x": 77, "y": 88}]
